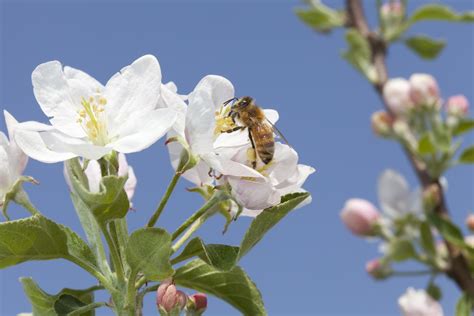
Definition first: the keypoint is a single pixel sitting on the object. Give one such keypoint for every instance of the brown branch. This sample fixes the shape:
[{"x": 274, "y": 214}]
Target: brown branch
[{"x": 458, "y": 269}]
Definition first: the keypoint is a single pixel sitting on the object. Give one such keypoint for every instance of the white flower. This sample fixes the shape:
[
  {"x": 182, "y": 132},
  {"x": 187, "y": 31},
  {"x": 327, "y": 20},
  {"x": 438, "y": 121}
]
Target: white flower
[
  {"x": 396, "y": 93},
  {"x": 419, "y": 303},
  {"x": 94, "y": 176},
  {"x": 204, "y": 119},
  {"x": 90, "y": 120},
  {"x": 395, "y": 196},
  {"x": 12, "y": 159},
  {"x": 424, "y": 90},
  {"x": 283, "y": 175}
]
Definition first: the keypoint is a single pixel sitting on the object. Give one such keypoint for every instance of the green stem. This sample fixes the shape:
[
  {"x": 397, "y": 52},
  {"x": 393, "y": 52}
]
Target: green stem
[
  {"x": 131, "y": 291},
  {"x": 413, "y": 273},
  {"x": 217, "y": 197},
  {"x": 114, "y": 254},
  {"x": 99, "y": 276},
  {"x": 164, "y": 200}
]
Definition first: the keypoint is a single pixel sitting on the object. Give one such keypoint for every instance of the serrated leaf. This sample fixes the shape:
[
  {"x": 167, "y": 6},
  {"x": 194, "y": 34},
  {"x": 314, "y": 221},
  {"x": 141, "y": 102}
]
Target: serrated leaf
[
  {"x": 269, "y": 218},
  {"x": 359, "y": 55},
  {"x": 426, "y": 238},
  {"x": 440, "y": 13},
  {"x": 221, "y": 257},
  {"x": 234, "y": 286},
  {"x": 63, "y": 303},
  {"x": 148, "y": 251},
  {"x": 467, "y": 156},
  {"x": 320, "y": 17},
  {"x": 464, "y": 306},
  {"x": 425, "y": 46},
  {"x": 425, "y": 145},
  {"x": 38, "y": 238},
  {"x": 464, "y": 126}
]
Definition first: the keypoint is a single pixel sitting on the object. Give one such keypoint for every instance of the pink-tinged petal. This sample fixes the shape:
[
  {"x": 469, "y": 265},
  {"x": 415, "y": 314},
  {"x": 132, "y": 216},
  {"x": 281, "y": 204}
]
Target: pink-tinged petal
[
  {"x": 142, "y": 132},
  {"x": 419, "y": 303},
  {"x": 360, "y": 216},
  {"x": 94, "y": 175},
  {"x": 219, "y": 88},
  {"x": 253, "y": 195},
  {"x": 33, "y": 145},
  {"x": 135, "y": 89},
  {"x": 200, "y": 123},
  {"x": 125, "y": 169},
  {"x": 230, "y": 168}
]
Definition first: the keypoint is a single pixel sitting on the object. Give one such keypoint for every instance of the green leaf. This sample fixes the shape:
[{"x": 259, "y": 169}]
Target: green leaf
[
  {"x": 38, "y": 238},
  {"x": 450, "y": 232},
  {"x": 320, "y": 17},
  {"x": 269, "y": 218},
  {"x": 425, "y": 145},
  {"x": 467, "y": 155},
  {"x": 221, "y": 257},
  {"x": 425, "y": 46},
  {"x": 426, "y": 238},
  {"x": 434, "y": 291},
  {"x": 440, "y": 12},
  {"x": 464, "y": 126},
  {"x": 401, "y": 250},
  {"x": 148, "y": 251},
  {"x": 63, "y": 303},
  {"x": 464, "y": 306},
  {"x": 111, "y": 202},
  {"x": 358, "y": 54},
  {"x": 442, "y": 139},
  {"x": 234, "y": 286}
]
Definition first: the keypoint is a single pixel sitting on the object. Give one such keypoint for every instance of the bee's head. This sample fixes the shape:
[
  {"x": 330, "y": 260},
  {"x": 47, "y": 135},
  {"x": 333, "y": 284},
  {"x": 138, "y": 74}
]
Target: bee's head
[{"x": 242, "y": 103}]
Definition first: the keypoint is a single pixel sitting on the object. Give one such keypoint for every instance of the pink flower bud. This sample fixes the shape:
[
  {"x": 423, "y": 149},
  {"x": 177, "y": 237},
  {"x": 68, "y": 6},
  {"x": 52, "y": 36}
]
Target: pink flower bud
[
  {"x": 382, "y": 123},
  {"x": 457, "y": 105},
  {"x": 396, "y": 93},
  {"x": 376, "y": 269},
  {"x": 198, "y": 304},
  {"x": 392, "y": 9},
  {"x": 424, "y": 90},
  {"x": 168, "y": 297},
  {"x": 360, "y": 216},
  {"x": 470, "y": 222}
]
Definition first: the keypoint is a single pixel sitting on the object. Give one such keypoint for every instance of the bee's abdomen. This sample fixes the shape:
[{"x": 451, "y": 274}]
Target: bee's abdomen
[{"x": 264, "y": 142}]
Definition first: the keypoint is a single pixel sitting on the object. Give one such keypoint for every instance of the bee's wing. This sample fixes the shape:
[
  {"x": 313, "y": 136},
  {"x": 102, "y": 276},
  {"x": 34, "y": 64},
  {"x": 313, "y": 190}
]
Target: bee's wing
[{"x": 277, "y": 131}]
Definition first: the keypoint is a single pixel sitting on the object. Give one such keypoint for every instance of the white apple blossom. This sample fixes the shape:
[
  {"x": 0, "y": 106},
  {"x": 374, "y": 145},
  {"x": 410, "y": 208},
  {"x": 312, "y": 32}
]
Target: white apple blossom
[
  {"x": 419, "y": 303},
  {"x": 205, "y": 119},
  {"x": 12, "y": 159},
  {"x": 396, "y": 93},
  {"x": 395, "y": 196},
  {"x": 94, "y": 176},
  {"x": 91, "y": 120}
]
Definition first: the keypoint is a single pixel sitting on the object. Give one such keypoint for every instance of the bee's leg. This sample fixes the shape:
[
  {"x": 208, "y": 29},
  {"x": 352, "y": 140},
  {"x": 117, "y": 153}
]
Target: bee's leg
[
  {"x": 233, "y": 129},
  {"x": 210, "y": 173},
  {"x": 254, "y": 157}
]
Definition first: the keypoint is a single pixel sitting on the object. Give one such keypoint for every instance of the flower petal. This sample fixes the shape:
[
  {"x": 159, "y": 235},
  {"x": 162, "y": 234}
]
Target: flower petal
[
  {"x": 143, "y": 131},
  {"x": 62, "y": 143},
  {"x": 219, "y": 88},
  {"x": 253, "y": 195},
  {"x": 170, "y": 99},
  {"x": 200, "y": 123},
  {"x": 94, "y": 175},
  {"x": 135, "y": 89},
  {"x": 229, "y": 167},
  {"x": 393, "y": 192},
  {"x": 271, "y": 115},
  {"x": 18, "y": 159},
  {"x": 126, "y": 170}
]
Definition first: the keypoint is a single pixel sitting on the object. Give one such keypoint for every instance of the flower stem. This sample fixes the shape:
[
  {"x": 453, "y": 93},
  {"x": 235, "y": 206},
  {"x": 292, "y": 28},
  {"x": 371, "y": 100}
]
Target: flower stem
[
  {"x": 114, "y": 254},
  {"x": 164, "y": 200},
  {"x": 213, "y": 200},
  {"x": 413, "y": 273},
  {"x": 131, "y": 291}
]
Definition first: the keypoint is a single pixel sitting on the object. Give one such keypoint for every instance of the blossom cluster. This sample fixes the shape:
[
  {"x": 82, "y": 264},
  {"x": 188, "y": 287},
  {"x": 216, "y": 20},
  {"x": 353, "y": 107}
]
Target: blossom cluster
[{"x": 131, "y": 112}]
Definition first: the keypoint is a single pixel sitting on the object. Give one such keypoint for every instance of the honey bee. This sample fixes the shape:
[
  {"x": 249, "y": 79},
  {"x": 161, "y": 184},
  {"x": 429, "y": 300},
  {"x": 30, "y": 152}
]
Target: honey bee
[{"x": 260, "y": 129}]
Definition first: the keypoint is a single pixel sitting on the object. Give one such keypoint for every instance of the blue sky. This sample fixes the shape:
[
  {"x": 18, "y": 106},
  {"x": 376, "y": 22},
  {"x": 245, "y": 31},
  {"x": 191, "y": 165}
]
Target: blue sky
[{"x": 309, "y": 264}]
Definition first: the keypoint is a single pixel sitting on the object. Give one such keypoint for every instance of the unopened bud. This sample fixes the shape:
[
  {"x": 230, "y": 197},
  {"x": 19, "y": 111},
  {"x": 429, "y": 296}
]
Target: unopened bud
[
  {"x": 377, "y": 269},
  {"x": 382, "y": 123},
  {"x": 360, "y": 216},
  {"x": 431, "y": 196},
  {"x": 197, "y": 304},
  {"x": 396, "y": 93},
  {"x": 424, "y": 90},
  {"x": 392, "y": 11},
  {"x": 470, "y": 222},
  {"x": 169, "y": 299},
  {"x": 457, "y": 105}
]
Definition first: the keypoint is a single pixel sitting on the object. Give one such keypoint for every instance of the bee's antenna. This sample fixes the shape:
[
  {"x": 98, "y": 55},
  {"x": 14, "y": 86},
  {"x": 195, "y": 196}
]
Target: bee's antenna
[{"x": 230, "y": 100}]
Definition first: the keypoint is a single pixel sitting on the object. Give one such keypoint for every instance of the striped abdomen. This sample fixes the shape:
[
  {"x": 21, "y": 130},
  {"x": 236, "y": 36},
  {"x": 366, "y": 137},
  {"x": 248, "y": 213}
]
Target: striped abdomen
[{"x": 264, "y": 141}]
